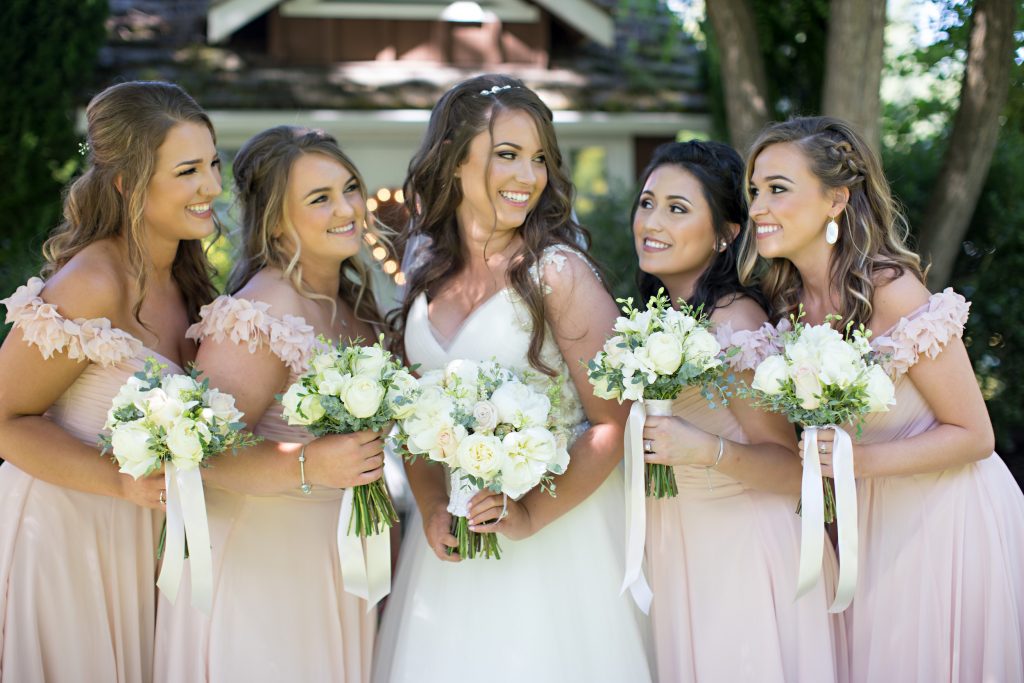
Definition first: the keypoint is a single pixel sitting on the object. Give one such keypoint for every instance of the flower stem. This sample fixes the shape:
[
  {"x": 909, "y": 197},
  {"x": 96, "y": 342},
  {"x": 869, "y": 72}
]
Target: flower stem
[
  {"x": 471, "y": 543},
  {"x": 660, "y": 481},
  {"x": 372, "y": 510}
]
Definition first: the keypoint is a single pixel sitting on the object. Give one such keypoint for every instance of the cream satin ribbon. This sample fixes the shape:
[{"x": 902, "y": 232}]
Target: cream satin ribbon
[
  {"x": 186, "y": 516},
  {"x": 366, "y": 575},
  {"x": 812, "y": 524},
  {"x": 636, "y": 501}
]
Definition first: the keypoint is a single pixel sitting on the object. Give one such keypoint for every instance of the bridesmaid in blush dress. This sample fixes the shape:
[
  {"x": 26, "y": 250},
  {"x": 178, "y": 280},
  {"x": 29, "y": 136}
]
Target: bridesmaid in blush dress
[
  {"x": 280, "y": 609},
  {"x": 125, "y": 275},
  {"x": 722, "y": 555},
  {"x": 941, "y": 520}
]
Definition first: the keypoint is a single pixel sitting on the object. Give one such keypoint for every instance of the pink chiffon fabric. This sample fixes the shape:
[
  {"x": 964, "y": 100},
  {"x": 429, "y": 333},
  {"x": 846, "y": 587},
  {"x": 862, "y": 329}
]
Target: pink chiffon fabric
[
  {"x": 77, "y": 570},
  {"x": 280, "y": 611},
  {"x": 722, "y": 563},
  {"x": 940, "y": 595}
]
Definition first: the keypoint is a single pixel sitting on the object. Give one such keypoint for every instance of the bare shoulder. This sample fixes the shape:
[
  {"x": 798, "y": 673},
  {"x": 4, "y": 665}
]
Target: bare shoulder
[
  {"x": 565, "y": 270},
  {"x": 270, "y": 286},
  {"x": 93, "y": 284},
  {"x": 741, "y": 312},
  {"x": 896, "y": 298}
]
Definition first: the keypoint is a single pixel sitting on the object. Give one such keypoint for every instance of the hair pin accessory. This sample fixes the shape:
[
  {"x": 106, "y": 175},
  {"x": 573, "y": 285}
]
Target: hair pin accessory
[{"x": 495, "y": 90}]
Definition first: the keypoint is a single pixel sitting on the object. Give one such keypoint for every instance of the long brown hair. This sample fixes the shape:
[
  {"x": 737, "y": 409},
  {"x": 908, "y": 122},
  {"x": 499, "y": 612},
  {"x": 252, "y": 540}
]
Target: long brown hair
[
  {"x": 261, "y": 169},
  {"x": 432, "y": 195},
  {"x": 126, "y": 124},
  {"x": 872, "y": 230}
]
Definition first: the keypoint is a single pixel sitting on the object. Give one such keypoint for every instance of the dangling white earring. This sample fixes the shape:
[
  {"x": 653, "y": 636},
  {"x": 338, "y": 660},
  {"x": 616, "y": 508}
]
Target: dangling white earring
[{"x": 832, "y": 231}]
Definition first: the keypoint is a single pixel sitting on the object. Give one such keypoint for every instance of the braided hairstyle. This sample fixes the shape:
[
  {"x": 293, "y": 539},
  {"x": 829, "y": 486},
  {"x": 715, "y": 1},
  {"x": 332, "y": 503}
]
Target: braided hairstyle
[
  {"x": 872, "y": 247},
  {"x": 719, "y": 170}
]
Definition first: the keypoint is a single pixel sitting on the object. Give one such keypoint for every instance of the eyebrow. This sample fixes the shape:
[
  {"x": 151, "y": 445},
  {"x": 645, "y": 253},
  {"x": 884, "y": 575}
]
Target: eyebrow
[
  {"x": 779, "y": 177},
  {"x": 671, "y": 196},
  {"x": 316, "y": 191},
  {"x": 192, "y": 162}
]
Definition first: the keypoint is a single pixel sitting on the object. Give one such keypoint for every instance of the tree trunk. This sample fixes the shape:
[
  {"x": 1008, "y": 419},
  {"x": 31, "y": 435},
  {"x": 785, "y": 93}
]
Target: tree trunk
[
  {"x": 743, "y": 78},
  {"x": 853, "y": 65},
  {"x": 972, "y": 142}
]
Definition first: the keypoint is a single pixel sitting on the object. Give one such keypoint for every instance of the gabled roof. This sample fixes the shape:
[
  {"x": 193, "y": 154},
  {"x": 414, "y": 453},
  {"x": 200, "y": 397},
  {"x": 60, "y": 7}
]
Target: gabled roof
[{"x": 224, "y": 17}]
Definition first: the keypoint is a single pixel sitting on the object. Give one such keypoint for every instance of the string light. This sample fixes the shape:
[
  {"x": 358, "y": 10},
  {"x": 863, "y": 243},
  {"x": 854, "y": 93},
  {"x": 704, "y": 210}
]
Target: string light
[
  {"x": 399, "y": 196},
  {"x": 371, "y": 204},
  {"x": 383, "y": 194},
  {"x": 390, "y": 267},
  {"x": 370, "y": 238},
  {"x": 379, "y": 253},
  {"x": 399, "y": 278}
]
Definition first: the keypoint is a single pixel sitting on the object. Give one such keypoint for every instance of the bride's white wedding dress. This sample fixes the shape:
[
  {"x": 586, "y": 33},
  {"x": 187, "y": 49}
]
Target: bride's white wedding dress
[{"x": 550, "y": 609}]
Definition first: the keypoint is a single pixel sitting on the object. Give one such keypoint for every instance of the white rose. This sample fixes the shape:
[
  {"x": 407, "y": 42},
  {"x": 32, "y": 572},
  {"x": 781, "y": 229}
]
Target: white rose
[
  {"x": 323, "y": 361},
  {"x": 438, "y": 439},
  {"x": 701, "y": 348},
  {"x": 401, "y": 394},
  {"x": 133, "y": 392},
  {"x": 614, "y": 349},
  {"x": 163, "y": 408},
  {"x": 604, "y": 388},
  {"x": 369, "y": 360},
  {"x": 297, "y": 406},
  {"x": 331, "y": 382},
  {"x": 520, "y": 406},
  {"x": 362, "y": 396},
  {"x": 880, "y": 390},
  {"x": 223, "y": 406},
  {"x": 481, "y": 455},
  {"x": 770, "y": 375},
  {"x": 176, "y": 385},
  {"x": 130, "y": 443},
  {"x": 185, "y": 441},
  {"x": 840, "y": 367},
  {"x": 664, "y": 352},
  {"x": 486, "y": 415},
  {"x": 808, "y": 388}
]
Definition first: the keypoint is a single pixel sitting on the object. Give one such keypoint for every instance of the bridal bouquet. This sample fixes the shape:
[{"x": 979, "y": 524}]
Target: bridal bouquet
[
  {"x": 493, "y": 430},
  {"x": 350, "y": 389},
  {"x": 653, "y": 356},
  {"x": 176, "y": 422},
  {"x": 823, "y": 380}
]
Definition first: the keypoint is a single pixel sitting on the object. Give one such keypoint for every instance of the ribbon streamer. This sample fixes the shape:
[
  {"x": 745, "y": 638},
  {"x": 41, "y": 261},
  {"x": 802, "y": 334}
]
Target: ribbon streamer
[
  {"x": 636, "y": 502},
  {"x": 812, "y": 524},
  {"x": 186, "y": 516},
  {"x": 365, "y": 573}
]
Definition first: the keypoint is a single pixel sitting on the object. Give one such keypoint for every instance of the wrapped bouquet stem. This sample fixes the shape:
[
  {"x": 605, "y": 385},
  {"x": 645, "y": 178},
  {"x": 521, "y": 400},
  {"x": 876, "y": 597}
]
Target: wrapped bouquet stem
[
  {"x": 471, "y": 543},
  {"x": 350, "y": 389}
]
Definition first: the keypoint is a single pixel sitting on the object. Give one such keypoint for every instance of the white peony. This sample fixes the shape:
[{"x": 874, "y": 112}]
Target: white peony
[
  {"x": 520, "y": 406},
  {"x": 664, "y": 352},
  {"x": 362, "y": 396},
  {"x": 486, "y": 415},
  {"x": 185, "y": 441},
  {"x": 528, "y": 454},
  {"x": 880, "y": 390},
  {"x": 770, "y": 375},
  {"x": 840, "y": 366},
  {"x": 130, "y": 443},
  {"x": 481, "y": 455}
]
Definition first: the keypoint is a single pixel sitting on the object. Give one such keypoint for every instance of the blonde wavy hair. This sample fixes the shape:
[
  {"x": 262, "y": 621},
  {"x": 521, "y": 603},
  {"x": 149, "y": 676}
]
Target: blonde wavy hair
[
  {"x": 261, "y": 170},
  {"x": 872, "y": 247},
  {"x": 126, "y": 123}
]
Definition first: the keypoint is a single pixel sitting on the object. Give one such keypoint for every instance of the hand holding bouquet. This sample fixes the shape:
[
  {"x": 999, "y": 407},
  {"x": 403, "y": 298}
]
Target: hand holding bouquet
[
  {"x": 654, "y": 355},
  {"x": 177, "y": 422},
  {"x": 824, "y": 379},
  {"x": 493, "y": 431}
]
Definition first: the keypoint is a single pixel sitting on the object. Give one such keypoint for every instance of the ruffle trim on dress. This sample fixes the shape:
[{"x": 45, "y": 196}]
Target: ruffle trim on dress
[
  {"x": 247, "y": 322},
  {"x": 42, "y": 325},
  {"x": 926, "y": 331},
  {"x": 754, "y": 345},
  {"x": 556, "y": 255}
]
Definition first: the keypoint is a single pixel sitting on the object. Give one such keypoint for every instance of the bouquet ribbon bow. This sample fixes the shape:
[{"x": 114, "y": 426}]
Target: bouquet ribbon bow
[
  {"x": 812, "y": 538},
  {"x": 366, "y": 575},
  {"x": 636, "y": 501},
  {"x": 186, "y": 514}
]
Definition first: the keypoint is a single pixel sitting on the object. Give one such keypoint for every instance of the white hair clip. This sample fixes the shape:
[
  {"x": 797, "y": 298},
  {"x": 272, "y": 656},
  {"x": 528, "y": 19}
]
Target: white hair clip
[{"x": 495, "y": 90}]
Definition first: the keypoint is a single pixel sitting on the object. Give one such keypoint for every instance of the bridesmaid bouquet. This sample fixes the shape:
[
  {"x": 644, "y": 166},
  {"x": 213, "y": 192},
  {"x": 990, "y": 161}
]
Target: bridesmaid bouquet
[
  {"x": 824, "y": 379},
  {"x": 654, "y": 355},
  {"x": 350, "y": 389},
  {"x": 493, "y": 431},
  {"x": 176, "y": 422}
]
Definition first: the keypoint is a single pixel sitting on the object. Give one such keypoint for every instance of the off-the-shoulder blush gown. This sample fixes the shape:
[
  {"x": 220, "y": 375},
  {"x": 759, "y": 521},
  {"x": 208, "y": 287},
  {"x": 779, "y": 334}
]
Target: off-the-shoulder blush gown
[
  {"x": 722, "y": 563},
  {"x": 77, "y": 570},
  {"x": 940, "y": 595},
  {"x": 280, "y": 611},
  {"x": 550, "y": 609}
]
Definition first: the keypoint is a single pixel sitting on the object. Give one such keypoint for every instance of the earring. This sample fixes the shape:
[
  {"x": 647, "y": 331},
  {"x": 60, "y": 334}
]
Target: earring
[
  {"x": 723, "y": 245},
  {"x": 832, "y": 231}
]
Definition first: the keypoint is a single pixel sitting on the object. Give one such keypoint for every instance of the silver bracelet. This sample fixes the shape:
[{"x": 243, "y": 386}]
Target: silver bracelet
[
  {"x": 304, "y": 487},
  {"x": 718, "y": 459}
]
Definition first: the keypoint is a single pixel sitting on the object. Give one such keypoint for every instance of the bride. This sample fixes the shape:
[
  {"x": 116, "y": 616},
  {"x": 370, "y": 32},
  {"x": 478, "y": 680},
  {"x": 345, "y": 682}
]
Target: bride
[{"x": 503, "y": 277}]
